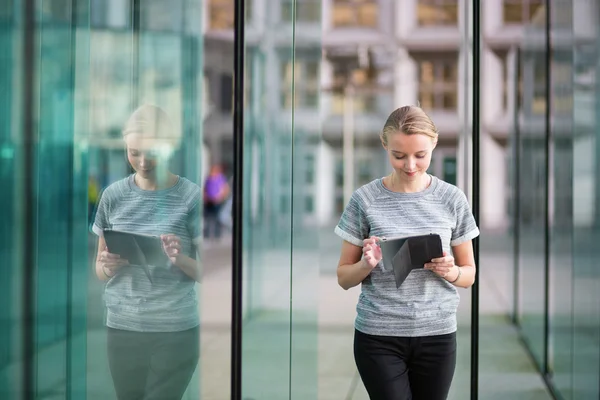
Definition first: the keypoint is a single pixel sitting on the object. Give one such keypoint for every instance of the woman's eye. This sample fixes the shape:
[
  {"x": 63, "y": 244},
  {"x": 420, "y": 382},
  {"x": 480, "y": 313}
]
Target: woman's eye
[{"x": 422, "y": 156}]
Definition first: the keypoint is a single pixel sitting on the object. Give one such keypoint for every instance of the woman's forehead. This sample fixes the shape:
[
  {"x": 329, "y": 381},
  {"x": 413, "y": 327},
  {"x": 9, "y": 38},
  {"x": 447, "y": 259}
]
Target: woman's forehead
[{"x": 141, "y": 142}]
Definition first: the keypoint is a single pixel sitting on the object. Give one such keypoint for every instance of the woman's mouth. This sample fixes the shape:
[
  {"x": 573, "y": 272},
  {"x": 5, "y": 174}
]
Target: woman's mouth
[{"x": 413, "y": 173}]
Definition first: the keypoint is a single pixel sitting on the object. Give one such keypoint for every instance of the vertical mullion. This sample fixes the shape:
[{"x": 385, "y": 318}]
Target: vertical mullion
[
  {"x": 28, "y": 255},
  {"x": 548, "y": 164},
  {"x": 237, "y": 207},
  {"x": 475, "y": 206}
]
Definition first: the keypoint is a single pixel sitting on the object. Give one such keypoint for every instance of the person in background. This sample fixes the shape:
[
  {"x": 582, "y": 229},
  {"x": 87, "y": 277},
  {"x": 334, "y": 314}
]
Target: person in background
[
  {"x": 216, "y": 192},
  {"x": 405, "y": 338},
  {"x": 93, "y": 195},
  {"x": 153, "y": 326}
]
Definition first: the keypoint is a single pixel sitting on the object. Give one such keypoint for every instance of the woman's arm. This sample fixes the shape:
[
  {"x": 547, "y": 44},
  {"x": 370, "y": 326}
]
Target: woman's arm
[
  {"x": 352, "y": 268},
  {"x": 107, "y": 264},
  {"x": 463, "y": 273},
  {"x": 189, "y": 266}
]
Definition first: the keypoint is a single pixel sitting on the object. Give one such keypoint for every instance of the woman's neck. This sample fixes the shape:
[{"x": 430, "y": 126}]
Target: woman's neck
[
  {"x": 164, "y": 181},
  {"x": 398, "y": 185}
]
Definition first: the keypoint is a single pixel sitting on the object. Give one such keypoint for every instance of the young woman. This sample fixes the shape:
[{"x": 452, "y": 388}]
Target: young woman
[
  {"x": 153, "y": 335},
  {"x": 405, "y": 338}
]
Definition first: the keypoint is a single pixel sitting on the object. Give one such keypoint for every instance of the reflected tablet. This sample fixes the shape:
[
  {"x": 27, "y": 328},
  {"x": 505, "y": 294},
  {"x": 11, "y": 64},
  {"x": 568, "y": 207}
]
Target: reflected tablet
[
  {"x": 402, "y": 255},
  {"x": 140, "y": 250}
]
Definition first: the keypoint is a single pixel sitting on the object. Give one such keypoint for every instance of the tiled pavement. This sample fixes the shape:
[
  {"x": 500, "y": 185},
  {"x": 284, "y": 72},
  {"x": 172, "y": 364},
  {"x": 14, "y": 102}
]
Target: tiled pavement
[{"x": 505, "y": 370}]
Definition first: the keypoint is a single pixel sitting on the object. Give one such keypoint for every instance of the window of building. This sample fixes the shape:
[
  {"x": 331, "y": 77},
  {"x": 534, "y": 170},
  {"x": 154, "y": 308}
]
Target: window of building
[
  {"x": 220, "y": 14},
  {"x": 437, "y": 12},
  {"x": 438, "y": 84},
  {"x": 310, "y": 169},
  {"x": 309, "y": 204},
  {"x": 364, "y": 98},
  {"x": 362, "y": 13},
  {"x": 306, "y": 10},
  {"x": 226, "y": 87},
  {"x": 520, "y": 11},
  {"x": 450, "y": 170},
  {"x": 302, "y": 80},
  {"x": 506, "y": 84}
]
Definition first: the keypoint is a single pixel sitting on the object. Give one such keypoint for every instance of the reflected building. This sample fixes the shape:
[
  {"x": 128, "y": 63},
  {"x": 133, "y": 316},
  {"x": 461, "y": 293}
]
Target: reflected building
[{"x": 376, "y": 55}]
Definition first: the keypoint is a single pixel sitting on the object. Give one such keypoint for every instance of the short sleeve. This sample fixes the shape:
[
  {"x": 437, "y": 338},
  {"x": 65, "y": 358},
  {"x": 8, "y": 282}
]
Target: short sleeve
[
  {"x": 465, "y": 229},
  {"x": 194, "y": 222},
  {"x": 101, "y": 221},
  {"x": 353, "y": 226}
]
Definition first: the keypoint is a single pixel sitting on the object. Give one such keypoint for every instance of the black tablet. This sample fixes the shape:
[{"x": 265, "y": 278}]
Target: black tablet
[
  {"x": 140, "y": 250},
  {"x": 402, "y": 255}
]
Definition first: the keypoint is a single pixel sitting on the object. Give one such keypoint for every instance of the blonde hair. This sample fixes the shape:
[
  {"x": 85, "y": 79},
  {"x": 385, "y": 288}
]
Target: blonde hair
[
  {"x": 151, "y": 121},
  {"x": 410, "y": 120}
]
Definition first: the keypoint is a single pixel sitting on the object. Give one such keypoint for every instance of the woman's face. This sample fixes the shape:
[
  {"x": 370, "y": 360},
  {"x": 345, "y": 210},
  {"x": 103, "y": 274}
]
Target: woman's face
[
  {"x": 143, "y": 154},
  {"x": 409, "y": 155}
]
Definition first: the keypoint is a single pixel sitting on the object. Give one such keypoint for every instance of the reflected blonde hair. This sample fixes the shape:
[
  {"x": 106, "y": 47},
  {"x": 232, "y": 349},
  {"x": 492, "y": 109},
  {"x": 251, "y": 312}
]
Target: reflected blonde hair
[
  {"x": 151, "y": 121},
  {"x": 410, "y": 120}
]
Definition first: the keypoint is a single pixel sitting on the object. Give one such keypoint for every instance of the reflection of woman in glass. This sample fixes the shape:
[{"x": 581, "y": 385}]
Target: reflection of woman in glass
[
  {"x": 405, "y": 338},
  {"x": 153, "y": 335}
]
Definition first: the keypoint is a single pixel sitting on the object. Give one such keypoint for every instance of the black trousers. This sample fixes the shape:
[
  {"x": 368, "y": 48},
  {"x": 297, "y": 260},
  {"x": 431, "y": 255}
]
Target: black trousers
[
  {"x": 152, "y": 366},
  {"x": 405, "y": 368}
]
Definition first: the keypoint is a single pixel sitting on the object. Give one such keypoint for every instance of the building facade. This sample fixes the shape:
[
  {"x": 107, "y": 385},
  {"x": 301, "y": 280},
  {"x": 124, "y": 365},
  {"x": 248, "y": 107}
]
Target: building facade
[{"x": 376, "y": 56}]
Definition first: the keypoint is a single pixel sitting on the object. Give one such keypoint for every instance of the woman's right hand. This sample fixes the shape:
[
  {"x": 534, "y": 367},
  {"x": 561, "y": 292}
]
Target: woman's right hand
[
  {"x": 110, "y": 263},
  {"x": 372, "y": 251}
]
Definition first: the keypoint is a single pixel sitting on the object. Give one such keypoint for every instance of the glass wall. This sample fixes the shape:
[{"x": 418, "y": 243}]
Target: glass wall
[
  {"x": 281, "y": 200},
  {"x": 558, "y": 300},
  {"x": 89, "y": 64}
]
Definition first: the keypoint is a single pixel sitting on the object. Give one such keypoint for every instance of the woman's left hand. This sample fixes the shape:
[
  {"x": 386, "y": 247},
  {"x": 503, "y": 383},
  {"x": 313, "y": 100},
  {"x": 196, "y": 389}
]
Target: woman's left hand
[
  {"x": 442, "y": 266},
  {"x": 172, "y": 246}
]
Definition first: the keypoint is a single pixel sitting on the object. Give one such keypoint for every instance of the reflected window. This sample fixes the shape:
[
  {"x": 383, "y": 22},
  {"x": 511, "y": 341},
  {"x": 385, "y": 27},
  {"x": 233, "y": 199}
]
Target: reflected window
[
  {"x": 520, "y": 11},
  {"x": 55, "y": 10},
  {"x": 450, "y": 170},
  {"x": 437, "y": 12},
  {"x": 221, "y": 14},
  {"x": 306, "y": 10},
  {"x": 159, "y": 15},
  {"x": 507, "y": 85},
  {"x": 309, "y": 204},
  {"x": 360, "y": 13},
  {"x": 365, "y": 84},
  {"x": 300, "y": 79},
  {"x": 310, "y": 169},
  {"x": 438, "y": 83}
]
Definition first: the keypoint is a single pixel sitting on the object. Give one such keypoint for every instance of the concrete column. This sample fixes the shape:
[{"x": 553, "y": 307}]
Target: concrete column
[
  {"x": 406, "y": 17},
  {"x": 325, "y": 183},
  {"x": 491, "y": 97},
  {"x": 326, "y": 16},
  {"x": 493, "y": 184},
  {"x": 492, "y": 16},
  {"x": 406, "y": 85}
]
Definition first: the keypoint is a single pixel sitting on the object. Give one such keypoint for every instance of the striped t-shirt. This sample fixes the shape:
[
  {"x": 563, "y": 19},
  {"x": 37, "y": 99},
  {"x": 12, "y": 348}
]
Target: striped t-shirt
[
  {"x": 425, "y": 304},
  {"x": 169, "y": 303}
]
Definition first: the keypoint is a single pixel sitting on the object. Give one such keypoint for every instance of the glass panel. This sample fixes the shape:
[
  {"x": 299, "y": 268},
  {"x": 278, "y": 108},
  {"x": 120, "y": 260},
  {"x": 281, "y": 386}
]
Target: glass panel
[
  {"x": 267, "y": 236},
  {"x": 586, "y": 206},
  {"x": 533, "y": 177},
  {"x": 11, "y": 210},
  {"x": 145, "y": 140},
  {"x": 561, "y": 211},
  {"x": 280, "y": 270}
]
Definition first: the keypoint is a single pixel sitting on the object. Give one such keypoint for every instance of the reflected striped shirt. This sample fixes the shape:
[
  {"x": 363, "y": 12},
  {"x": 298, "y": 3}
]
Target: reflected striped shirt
[{"x": 169, "y": 303}]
